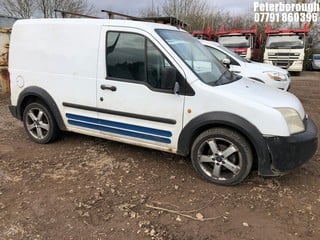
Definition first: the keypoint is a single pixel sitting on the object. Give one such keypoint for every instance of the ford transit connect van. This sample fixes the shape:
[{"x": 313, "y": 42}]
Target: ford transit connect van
[{"x": 154, "y": 86}]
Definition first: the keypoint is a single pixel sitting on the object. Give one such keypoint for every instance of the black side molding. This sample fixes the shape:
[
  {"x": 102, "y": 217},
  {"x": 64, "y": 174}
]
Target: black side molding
[{"x": 124, "y": 114}]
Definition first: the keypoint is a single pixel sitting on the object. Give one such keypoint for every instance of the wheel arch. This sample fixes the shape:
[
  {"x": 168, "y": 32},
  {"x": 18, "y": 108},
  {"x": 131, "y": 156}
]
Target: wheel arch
[
  {"x": 37, "y": 94},
  {"x": 227, "y": 120}
]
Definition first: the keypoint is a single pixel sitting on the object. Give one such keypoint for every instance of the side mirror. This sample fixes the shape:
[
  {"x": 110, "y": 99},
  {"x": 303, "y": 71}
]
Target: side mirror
[
  {"x": 226, "y": 62},
  {"x": 176, "y": 88},
  {"x": 168, "y": 78}
]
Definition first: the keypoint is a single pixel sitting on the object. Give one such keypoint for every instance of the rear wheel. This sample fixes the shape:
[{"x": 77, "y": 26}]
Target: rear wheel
[
  {"x": 39, "y": 123},
  {"x": 222, "y": 156}
]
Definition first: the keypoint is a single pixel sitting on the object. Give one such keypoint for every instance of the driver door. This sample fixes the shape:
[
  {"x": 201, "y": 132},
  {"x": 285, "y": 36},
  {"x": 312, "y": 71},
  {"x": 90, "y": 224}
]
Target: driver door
[{"x": 135, "y": 91}]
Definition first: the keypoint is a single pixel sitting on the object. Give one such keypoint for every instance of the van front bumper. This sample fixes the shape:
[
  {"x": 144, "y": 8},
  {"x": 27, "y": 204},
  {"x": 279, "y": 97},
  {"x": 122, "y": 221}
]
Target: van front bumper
[{"x": 287, "y": 153}]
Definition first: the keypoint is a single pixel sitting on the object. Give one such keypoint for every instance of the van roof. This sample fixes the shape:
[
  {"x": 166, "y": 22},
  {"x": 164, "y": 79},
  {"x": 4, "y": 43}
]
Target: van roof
[{"x": 96, "y": 22}]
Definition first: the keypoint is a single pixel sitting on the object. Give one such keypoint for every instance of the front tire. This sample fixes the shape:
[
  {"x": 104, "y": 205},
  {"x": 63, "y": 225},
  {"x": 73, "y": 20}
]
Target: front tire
[
  {"x": 222, "y": 156},
  {"x": 39, "y": 123}
]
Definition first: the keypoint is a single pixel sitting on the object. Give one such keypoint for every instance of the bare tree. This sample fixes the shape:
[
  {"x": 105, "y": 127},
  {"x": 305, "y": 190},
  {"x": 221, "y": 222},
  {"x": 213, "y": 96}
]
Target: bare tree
[
  {"x": 43, "y": 8},
  {"x": 193, "y": 12},
  {"x": 18, "y": 8},
  {"x": 47, "y": 7},
  {"x": 151, "y": 11},
  {"x": 199, "y": 16}
]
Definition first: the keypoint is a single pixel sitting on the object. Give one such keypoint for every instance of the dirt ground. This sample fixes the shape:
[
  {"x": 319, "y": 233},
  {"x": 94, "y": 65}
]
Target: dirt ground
[{"x": 81, "y": 187}]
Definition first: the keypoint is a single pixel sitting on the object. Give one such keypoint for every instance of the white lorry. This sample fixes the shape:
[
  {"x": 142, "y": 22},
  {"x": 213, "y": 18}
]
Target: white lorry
[
  {"x": 285, "y": 48},
  {"x": 155, "y": 86}
]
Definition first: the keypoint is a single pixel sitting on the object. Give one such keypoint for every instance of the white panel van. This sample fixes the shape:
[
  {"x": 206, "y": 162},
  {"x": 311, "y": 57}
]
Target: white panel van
[{"x": 155, "y": 86}]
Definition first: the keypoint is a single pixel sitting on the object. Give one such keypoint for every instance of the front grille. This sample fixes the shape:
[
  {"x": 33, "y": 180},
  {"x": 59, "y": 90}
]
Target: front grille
[
  {"x": 282, "y": 64},
  {"x": 283, "y": 56}
]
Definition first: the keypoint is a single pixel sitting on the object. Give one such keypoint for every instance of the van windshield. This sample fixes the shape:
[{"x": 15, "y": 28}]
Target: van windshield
[
  {"x": 198, "y": 58},
  {"x": 235, "y": 41}
]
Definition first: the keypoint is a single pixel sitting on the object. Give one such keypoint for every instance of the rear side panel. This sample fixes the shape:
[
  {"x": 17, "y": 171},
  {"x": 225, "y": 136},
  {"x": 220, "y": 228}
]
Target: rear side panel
[{"x": 59, "y": 57}]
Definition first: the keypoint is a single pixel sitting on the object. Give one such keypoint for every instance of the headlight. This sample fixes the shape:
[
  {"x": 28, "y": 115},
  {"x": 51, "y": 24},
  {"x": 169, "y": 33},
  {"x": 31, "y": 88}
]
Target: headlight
[
  {"x": 293, "y": 120},
  {"x": 277, "y": 76}
]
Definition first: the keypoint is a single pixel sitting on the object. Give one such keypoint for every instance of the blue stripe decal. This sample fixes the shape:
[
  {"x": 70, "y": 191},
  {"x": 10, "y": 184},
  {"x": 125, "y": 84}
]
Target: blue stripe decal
[
  {"x": 120, "y": 128},
  {"x": 119, "y": 125}
]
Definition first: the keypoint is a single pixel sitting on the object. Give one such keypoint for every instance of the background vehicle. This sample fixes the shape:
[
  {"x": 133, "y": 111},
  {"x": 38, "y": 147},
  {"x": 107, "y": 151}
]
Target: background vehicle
[
  {"x": 315, "y": 61},
  {"x": 207, "y": 34},
  {"x": 285, "y": 48},
  {"x": 245, "y": 42},
  {"x": 312, "y": 57},
  {"x": 265, "y": 73}
]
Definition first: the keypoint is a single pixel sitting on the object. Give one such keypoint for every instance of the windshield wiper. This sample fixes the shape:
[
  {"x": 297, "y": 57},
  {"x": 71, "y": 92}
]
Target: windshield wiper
[
  {"x": 224, "y": 80},
  {"x": 235, "y": 77},
  {"x": 219, "y": 80}
]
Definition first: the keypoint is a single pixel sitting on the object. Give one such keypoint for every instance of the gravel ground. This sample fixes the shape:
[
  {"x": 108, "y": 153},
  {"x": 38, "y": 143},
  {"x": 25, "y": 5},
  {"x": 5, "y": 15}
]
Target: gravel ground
[{"x": 82, "y": 187}]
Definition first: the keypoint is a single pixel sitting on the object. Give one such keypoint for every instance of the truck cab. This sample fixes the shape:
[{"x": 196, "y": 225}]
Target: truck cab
[
  {"x": 285, "y": 48},
  {"x": 207, "y": 34},
  {"x": 245, "y": 43}
]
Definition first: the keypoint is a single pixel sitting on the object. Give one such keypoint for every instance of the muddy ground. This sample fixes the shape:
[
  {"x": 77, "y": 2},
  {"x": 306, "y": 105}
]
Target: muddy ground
[{"x": 81, "y": 187}]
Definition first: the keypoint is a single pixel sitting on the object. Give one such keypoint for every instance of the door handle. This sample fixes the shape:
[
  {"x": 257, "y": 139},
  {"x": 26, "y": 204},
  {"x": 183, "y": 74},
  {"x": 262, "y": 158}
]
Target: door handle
[{"x": 108, "y": 87}]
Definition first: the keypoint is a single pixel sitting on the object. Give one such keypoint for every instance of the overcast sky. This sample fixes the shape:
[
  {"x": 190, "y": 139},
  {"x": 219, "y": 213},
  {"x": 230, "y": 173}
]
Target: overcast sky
[{"x": 134, "y": 7}]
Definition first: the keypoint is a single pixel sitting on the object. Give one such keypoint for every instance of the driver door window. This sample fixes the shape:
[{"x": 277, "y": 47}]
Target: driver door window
[{"x": 132, "y": 57}]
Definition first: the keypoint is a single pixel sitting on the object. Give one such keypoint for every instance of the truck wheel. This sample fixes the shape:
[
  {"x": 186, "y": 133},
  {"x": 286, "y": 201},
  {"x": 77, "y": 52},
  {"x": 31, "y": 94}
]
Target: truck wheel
[
  {"x": 39, "y": 123},
  {"x": 222, "y": 156}
]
